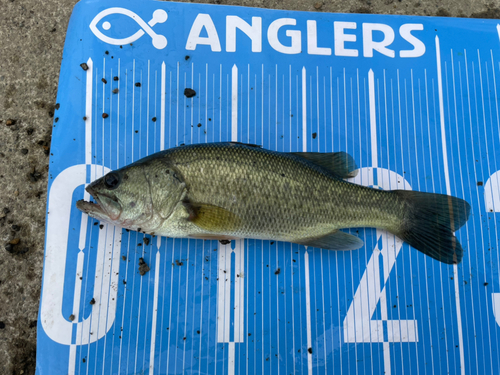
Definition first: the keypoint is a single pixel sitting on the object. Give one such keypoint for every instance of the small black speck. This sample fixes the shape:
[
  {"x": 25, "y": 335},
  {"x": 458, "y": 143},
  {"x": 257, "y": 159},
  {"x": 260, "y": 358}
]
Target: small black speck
[
  {"x": 485, "y": 284},
  {"x": 105, "y": 115},
  {"x": 189, "y": 93},
  {"x": 310, "y": 350},
  {"x": 92, "y": 301},
  {"x": 84, "y": 66},
  {"x": 104, "y": 80},
  {"x": 137, "y": 131},
  {"x": 146, "y": 241},
  {"x": 314, "y": 135},
  {"x": 56, "y": 119},
  {"x": 198, "y": 332},
  {"x": 199, "y": 125},
  {"x": 186, "y": 57},
  {"x": 124, "y": 257},
  {"x": 84, "y": 118},
  {"x": 115, "y": 78},
  {"x": 101, "y": 226},
  {"x": 272, "y": 242},
  {"x": 115, "y": 91},
  {"x": 277, "y": 272},
  {"x": 480, "y": 183},
  {"x": 153, "y": 119},
  {"x": 137, "y": 84},
  {"x": 184, "y": 338}
]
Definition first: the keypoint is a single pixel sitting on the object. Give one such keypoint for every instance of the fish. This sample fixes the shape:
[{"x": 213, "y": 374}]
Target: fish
[{"x": 230, "y": 190}]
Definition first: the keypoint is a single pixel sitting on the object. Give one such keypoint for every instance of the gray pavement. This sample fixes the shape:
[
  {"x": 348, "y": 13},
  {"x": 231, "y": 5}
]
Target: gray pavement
[{"x": 32, "y": 35}]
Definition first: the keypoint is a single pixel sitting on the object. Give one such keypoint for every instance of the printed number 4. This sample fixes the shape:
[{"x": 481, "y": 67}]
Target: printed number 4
[{"x": 359, "y": 327}]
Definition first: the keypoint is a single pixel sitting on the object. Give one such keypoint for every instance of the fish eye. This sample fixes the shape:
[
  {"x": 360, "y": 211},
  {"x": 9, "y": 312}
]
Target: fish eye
[{"x": 112, "y": 180}]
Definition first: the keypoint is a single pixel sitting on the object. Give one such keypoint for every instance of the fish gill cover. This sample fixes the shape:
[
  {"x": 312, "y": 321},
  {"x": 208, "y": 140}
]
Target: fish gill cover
[{"x": 413, "y": 99}]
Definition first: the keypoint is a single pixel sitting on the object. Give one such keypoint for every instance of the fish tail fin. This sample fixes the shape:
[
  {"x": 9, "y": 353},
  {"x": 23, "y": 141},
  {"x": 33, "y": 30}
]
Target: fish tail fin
[{"x": 429, "y": 222}]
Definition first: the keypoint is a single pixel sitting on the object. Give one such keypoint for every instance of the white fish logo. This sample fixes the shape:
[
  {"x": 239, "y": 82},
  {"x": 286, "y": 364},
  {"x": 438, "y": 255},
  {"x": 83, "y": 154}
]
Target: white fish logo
[{"x": 159, "y": 16}]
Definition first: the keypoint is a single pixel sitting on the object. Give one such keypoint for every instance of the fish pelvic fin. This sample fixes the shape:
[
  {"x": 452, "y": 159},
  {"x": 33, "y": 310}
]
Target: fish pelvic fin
[
  {"x": 341, "y": 164},
  {"x": 429, "y": 224},
  {"x": 336, "y": 240}
]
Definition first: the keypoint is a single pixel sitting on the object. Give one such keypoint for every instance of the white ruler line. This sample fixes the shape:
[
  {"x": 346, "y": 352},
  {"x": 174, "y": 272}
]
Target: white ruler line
[
  {"x": 234, "y": 104},
  {"x": 448, "y": 191},
  {"x": 308, "y": 312},
  {"x": 304, "y": 110},
  {"x": 103, "y": 109},
  {"x": 306, "y": 255},
  {"x": 118, "y": 119},
  {"x": 373, "y": 118},
  {"x": 155, "y": 315},
  {"x": 147, "y": 108},
  {"x": 88, "y": 113}
]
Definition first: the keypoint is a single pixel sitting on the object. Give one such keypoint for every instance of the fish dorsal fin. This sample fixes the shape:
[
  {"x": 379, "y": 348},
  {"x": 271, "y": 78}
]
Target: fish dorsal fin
[
  {"x": 341, "y": 164},
  {"x": 212, "y": 218},
  {"x": 244, "y": 144},
  {"x": 336, "y": 240}
]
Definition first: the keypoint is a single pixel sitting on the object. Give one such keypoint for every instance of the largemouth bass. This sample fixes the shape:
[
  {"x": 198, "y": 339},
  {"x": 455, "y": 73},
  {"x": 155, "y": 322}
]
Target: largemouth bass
[{"x": 231, "y": 190}]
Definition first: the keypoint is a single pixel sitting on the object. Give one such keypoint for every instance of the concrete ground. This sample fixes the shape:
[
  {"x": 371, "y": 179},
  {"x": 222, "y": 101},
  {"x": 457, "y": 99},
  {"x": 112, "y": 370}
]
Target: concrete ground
[{"x": 32, "y": 36}]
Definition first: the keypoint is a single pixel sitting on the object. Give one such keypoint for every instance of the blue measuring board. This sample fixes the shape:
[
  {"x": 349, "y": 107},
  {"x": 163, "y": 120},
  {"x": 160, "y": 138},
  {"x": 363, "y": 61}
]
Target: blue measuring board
[{"x": 413, "y": 99}]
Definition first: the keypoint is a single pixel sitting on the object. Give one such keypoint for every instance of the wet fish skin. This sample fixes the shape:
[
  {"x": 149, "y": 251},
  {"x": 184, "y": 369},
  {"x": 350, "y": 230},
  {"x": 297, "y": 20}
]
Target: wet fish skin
[{"x": 231, "y": 190}]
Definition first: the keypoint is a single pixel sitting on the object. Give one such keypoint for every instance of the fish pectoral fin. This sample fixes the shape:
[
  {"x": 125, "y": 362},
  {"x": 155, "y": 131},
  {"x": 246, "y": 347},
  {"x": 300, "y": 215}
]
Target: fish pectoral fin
[
  {"x": 212, "y": 218},
  {"x": 334, "y": 241},
  {"x": 341, "y": 164}
]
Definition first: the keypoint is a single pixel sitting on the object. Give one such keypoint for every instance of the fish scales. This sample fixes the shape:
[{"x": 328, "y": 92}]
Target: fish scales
[{"x": 278, "y": 195}]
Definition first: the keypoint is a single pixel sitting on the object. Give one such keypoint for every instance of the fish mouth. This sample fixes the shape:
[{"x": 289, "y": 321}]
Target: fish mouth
[
  {"x": 90, "y": 208},
  {"x": 105, "y": 206}
]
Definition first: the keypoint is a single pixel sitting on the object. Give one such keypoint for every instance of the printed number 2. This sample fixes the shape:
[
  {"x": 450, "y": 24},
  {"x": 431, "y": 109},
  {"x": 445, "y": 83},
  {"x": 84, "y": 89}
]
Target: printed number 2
[{"x": 492, "y": 202}]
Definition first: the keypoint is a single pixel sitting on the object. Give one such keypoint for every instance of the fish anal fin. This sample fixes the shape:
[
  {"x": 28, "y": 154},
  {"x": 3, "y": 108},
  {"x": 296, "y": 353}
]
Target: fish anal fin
[
  {"x": 336, "y": 240},
  {"x": 341, "y": 164}
]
